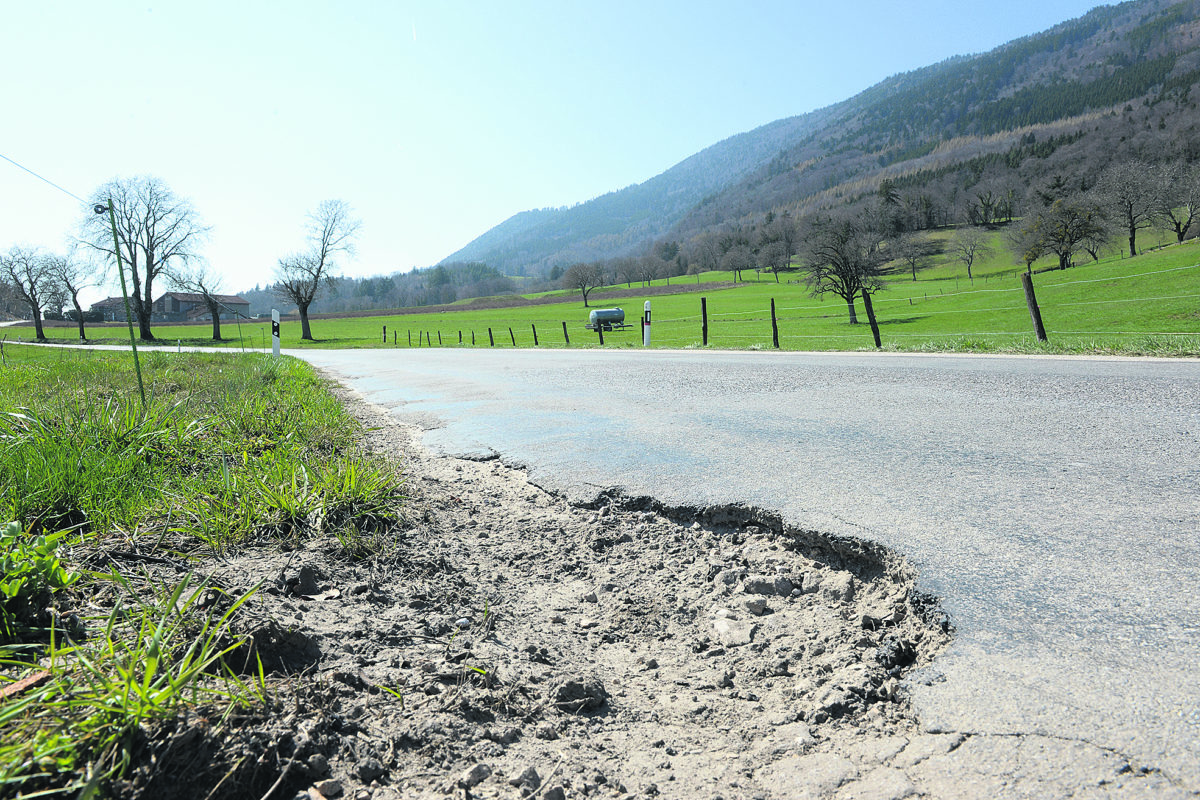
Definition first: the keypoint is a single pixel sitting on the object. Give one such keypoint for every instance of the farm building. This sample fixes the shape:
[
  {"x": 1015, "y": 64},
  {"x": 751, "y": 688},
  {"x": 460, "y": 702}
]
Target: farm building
[{"x": 188, "y": 307}]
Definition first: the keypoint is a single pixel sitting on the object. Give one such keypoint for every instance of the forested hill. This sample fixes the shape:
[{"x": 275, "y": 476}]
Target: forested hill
[{"x": 1118, "y": 80}]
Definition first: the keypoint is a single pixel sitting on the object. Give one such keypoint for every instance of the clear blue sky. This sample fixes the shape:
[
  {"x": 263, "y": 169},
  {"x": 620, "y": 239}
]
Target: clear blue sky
[{"x": 435, "y": 121}]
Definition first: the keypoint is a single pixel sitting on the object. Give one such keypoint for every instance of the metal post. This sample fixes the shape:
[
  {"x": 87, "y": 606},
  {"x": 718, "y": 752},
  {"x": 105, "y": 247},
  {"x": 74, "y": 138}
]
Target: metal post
[
  {"x": 137, "y": 363},
  {"x": 274, "y": 332}
]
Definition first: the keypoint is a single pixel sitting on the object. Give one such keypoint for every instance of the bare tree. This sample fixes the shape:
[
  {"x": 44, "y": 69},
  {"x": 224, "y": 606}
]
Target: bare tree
[
  {"x": 1025, "y": 242},
  {"x": 1131, "y": 193},
  {"x": 1179, "y": 197},
  {"x": 912, "y": 250},
  {"x": 778, "y": 242},
  {"x": 154, "y": 228},
  {"x": 300, "y": 277},
  {"x": 841, "y": 258},
  {"x": 26, "y": 270},
  {"x": 1064, "y": 227},
  {"x": 967, "y": 245},
  {"x": 72, "y": 275},
  {"x": 584, "y": 277},
  {"x": 627, "y": 270},
  {"x": 199, "y": 278}
]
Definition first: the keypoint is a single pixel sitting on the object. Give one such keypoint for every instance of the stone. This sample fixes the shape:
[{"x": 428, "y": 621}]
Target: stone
[
  {"x": 728, "y": 577},
  {"x": 369, "y": 770},
  {"x": 755, "y": 605},
  {"x": 761, "y": 584},
  {"x": 838, "y": 587},
  {"x": 306, "y": 581},
  {"x": 810, "y": 583},
  {"x": 554, "y": 793},
  {"x": 318, "y": 764},
  {"x": 546, "y": 731},
  {"x": 527, "y": 780},
  {"x": 734, "y": 633},
  {"x": 330, "y": 787},
  {"x": 474, "y": 776},
  {"x": 579, "y": 693},
  {"x": 591, "y": 597}
]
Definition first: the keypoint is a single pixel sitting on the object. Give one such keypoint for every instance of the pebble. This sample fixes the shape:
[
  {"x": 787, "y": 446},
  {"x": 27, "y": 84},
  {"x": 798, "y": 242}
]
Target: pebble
[
  {"x": 591, "y": 597},
  {"x": 318, "y": 764},
  {"x": 463, "y": 622}
]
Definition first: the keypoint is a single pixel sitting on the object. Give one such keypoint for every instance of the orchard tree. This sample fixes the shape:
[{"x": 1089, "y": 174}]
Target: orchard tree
[
  {"x": 841, "y": 258},
  {"x": 27, "y": 272},
  {"x": 913, "y": 250},
  {"x": 584, "y": 277},
  {"x": 301, "y": 276},
  {"x": 1063, "y": 228},
  {"x": 72, "y": 275},
  {"x": 967, "y": 245},
  {"x": 1179, "y": 197},
  {"x": 154, "y": 227},
  {"x": 1130, "y": 191}
]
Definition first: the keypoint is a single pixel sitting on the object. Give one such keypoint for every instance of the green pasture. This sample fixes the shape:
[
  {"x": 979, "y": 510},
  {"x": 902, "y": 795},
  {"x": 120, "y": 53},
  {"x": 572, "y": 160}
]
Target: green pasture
[{"x": 1147, "y": 304}]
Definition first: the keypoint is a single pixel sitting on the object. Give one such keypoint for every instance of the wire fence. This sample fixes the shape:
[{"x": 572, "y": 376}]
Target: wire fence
[{"x": 996, "y": 312}]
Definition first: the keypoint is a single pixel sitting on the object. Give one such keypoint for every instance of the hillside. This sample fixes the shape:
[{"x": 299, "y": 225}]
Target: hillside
[
  {"x": 623, "y": 221},
  {"x": 1115, "y": 82}
]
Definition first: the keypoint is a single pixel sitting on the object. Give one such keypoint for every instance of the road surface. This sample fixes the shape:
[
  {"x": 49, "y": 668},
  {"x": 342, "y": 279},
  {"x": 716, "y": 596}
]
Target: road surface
[{"x": 1052, "y": 503}]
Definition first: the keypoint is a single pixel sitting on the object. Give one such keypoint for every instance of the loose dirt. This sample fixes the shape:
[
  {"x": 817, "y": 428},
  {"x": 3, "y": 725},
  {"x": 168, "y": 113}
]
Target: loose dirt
[{"x": 509, "y": 644}]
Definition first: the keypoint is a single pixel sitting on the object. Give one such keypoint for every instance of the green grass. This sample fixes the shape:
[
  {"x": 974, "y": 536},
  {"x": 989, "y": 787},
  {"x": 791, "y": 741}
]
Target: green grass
[
  {"x": 228, "y": 451},
  {"x": 1143, "y": 305}
]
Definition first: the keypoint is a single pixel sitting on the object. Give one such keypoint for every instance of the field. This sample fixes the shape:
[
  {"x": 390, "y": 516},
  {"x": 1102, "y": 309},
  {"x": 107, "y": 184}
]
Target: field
[{"x": 1144, "y": 305}]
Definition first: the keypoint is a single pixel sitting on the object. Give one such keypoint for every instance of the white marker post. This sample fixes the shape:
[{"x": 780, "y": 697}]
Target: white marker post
[
  {"x": 646, "y": 326},
  {"x": 274, "y": 332}
]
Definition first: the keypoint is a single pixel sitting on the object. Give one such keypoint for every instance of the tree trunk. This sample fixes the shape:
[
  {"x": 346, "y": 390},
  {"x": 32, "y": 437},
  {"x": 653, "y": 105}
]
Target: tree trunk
[
  {"x": 142, "y": 307},
  {"x": 215, "y": 311},
  {"x": 38, "y": 333},
  {"x": 79, "y": 318},
  {"x": 776, "y": 276},
  {"x": 305, "y": 330},
  {"x": 585, "y": 294},
  {"x": 853, "y": 316},
  {"x": 1132, "y": 243},
  {"x": 1064, "y": 261},
  {"x": 866, "y": 296}
]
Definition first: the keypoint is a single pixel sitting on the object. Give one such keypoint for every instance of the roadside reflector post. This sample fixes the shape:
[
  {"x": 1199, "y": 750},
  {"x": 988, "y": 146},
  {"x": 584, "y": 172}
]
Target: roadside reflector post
[
  {"x": 385, "y": 334},
  {"x": 646, "y": 325},
  {"x": 275, "y": 331}
]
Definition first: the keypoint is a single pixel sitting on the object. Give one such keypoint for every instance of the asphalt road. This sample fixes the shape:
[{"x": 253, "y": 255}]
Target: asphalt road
[{"x": 1053, "y": 504}]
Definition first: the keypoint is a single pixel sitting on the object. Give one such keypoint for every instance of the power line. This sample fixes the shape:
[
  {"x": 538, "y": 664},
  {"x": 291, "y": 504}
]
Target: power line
[{"x": 43, "y": 179}]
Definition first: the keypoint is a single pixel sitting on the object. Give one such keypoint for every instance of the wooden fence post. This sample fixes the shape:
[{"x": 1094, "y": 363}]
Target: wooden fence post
[
  {"x": 439, "y": 338},
  {"x": 866, "y": 296},
  {"x": 410, "y": 338},
  {"x": 566, "y": 336},
  {"x": 535, "y": 341},
  {"x": 385, "y": 334},
  {"x": 491, "y": 338},
  {"x": 1035, "y": 313},
  {"x": 704, "y": 318},
  {"x": 774, "y": 326},
  {"x": 460, "y": 337},
  {"x": 511, "y": 336}
]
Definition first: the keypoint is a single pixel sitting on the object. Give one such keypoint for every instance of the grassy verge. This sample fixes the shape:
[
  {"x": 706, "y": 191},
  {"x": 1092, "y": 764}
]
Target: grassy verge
[{"x": 229, "y": 451}]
